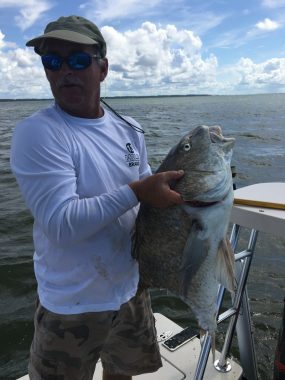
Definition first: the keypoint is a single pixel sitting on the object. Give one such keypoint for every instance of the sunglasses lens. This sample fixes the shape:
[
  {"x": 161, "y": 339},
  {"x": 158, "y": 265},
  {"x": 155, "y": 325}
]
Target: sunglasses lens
[
  {"x": 52, "y": 61},
  {"x": 76, "y": 61},
  {"x": 79, "y": 61}
]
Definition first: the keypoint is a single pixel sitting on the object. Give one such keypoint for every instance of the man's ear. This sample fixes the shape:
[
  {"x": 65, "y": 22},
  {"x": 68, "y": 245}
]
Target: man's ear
[{"x": 104, "y": 69}]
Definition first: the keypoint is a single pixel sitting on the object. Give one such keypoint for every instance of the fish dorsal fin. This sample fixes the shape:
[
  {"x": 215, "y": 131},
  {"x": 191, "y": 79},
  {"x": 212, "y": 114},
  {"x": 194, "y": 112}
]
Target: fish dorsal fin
[{"x": 225, "y": 265}]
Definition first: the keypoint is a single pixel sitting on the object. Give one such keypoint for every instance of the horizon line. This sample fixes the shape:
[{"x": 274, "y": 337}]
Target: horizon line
[{"x": 144, "y": 96}]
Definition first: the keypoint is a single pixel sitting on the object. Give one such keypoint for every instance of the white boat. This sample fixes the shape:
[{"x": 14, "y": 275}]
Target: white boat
[{"x": 260, "y": 207}]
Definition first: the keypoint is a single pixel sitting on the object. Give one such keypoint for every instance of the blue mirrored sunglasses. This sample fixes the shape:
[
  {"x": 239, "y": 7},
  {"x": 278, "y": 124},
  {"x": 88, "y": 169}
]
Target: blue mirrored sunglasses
[{"x": 76, "y": 61}]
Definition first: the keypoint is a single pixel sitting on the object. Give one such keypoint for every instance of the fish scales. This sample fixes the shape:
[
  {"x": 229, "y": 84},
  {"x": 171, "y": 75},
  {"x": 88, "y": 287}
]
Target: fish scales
[
  {"x": 171, "y": 229},
  {"x": 185, "y": 248}
]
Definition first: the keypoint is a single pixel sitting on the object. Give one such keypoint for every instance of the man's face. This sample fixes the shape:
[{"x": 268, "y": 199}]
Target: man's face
[{"x": 76, "y": 91}]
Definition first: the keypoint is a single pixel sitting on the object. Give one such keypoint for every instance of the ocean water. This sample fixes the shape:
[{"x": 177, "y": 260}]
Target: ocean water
[{"x": 258, "y": 124}]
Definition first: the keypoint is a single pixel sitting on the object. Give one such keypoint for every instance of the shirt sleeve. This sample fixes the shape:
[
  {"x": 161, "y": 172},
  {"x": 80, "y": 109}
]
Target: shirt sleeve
[{"x": 42, "y": 164}]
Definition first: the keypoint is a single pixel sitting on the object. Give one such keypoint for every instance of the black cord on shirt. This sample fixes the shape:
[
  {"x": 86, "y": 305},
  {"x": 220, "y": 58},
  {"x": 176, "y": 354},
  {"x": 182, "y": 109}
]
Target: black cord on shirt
[{"x": 135, "y": 127}]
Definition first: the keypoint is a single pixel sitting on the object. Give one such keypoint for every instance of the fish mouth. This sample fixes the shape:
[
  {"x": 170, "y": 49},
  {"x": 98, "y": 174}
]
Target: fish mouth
[{"x": 216, "y": 136}]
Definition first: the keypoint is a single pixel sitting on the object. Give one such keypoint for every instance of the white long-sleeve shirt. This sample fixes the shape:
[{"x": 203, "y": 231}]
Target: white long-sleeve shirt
[{"x": 74, "y": 175}]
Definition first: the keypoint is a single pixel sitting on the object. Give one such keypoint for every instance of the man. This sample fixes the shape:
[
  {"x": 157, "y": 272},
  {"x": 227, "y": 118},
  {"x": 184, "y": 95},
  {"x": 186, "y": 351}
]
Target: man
[{"x": 83, "y": 171}]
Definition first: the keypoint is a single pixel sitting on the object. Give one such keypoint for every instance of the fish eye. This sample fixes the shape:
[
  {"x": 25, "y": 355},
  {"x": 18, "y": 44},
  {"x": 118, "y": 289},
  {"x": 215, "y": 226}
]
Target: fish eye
[{"x": 187, "y": 147}]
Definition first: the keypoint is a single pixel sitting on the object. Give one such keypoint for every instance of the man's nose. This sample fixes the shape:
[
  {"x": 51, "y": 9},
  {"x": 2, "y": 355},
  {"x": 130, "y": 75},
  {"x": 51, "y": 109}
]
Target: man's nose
[{"x": 65, "y": 68}]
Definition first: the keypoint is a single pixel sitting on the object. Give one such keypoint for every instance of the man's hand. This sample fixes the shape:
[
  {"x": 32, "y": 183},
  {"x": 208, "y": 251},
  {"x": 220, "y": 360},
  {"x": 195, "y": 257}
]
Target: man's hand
[{"x": 156, "y": 190}]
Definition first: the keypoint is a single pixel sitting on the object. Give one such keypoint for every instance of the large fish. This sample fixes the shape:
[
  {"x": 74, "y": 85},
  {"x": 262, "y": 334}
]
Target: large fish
[{"x": 185, "y": 248}]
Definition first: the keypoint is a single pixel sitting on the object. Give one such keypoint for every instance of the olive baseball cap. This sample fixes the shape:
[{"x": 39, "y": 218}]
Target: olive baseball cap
[{"x": 73, "y": 29}]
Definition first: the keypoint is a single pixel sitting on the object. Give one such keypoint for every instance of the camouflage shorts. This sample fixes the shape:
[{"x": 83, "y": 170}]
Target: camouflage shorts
[{"x": 67, "y": 347}]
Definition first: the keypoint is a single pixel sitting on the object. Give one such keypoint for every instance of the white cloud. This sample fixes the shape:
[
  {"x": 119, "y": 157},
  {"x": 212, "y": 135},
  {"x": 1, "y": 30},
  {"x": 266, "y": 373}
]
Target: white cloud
[
  {"x": 261, "y": 75},
  {"x": 203, "y": 21},
  {"x": 29, "y": 10},
  {"x": 150, "y": 57},
  {"x": 22, "y": 73},
  {"x": 267, "y": 25},
  {"x": 247, "y": 77},
  {"x": 273, "y": 3},
  {"x": 6, "y": 44},
  {"x": 107, "y": 10},
  {"x": 2, "y": 42},
  {"x": 149, "y": 60},
  {"x": 11, "y": 3},
  {"x": 261, "y": 28}
]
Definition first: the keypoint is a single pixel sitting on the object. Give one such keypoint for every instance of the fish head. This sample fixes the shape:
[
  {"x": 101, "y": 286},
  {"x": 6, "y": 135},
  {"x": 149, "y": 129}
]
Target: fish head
[{"x": 205, "y": 155}]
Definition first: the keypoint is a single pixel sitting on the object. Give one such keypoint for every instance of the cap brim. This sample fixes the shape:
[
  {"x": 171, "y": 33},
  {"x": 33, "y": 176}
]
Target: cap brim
[{"x": 65, "y": 35}]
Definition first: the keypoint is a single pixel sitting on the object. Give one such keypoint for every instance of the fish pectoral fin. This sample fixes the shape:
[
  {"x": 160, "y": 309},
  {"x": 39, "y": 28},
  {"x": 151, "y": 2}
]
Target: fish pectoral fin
[
  {"x": 225, "y": 265},
  {"x": 194, "y": 253}
]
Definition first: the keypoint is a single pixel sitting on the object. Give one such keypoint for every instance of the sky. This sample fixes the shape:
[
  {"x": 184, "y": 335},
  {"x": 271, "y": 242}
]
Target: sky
[{"x": 156, "y": 47}]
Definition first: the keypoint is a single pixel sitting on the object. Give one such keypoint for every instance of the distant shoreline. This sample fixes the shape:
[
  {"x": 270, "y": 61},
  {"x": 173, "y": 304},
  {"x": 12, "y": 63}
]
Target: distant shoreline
[
  {"x": 143, "y": 96},
  {"x": 113, "y": 97}
]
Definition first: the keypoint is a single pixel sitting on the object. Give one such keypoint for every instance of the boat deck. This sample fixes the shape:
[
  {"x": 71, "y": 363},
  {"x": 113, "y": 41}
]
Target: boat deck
[{"x": 181, "y": 363}]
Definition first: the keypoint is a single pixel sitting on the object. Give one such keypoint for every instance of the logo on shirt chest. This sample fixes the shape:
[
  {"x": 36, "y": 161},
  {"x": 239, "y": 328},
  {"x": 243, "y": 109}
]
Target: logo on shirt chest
[{"x": 131, "y": 158}]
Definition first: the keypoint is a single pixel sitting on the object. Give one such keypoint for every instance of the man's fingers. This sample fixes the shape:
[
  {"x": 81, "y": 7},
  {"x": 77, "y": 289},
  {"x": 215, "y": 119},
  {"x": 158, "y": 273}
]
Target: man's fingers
[
  {"x": 156, "y": 190},
  {"x": 174, "y": 174}
]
